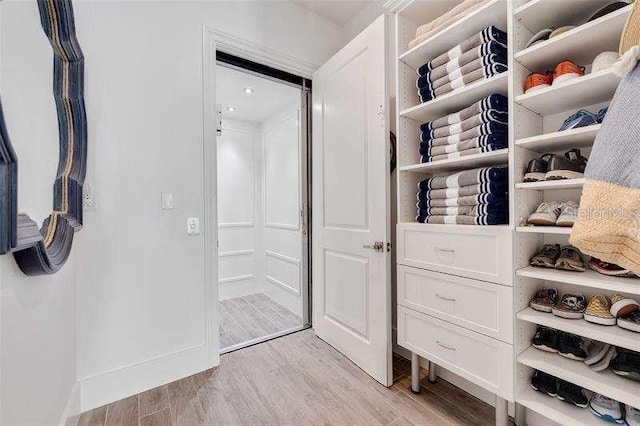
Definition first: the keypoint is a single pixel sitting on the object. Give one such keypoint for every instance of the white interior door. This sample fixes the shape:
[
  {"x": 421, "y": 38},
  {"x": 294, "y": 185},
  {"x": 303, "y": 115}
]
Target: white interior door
[{"x": 351, "y": 282}]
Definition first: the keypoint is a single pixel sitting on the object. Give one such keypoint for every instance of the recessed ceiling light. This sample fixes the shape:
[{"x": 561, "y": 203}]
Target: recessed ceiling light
[
  {"x": 248, "y": 90},
  {"x": 231, "y": 109}
]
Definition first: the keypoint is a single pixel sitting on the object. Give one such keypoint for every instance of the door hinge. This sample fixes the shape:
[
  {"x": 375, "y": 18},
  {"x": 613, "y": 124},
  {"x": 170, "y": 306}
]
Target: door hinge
[
  {"x": 389, "y": 245},
  {"x": 218, "y": 120}
]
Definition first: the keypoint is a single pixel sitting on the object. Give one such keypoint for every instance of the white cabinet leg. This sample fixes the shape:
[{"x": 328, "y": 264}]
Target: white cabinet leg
[
  {"x": 502, "y": 412},
  {"x": 520, "y": 415},
  {"x": 415, "y": 373},
  {"x": 433, "y": 373}
]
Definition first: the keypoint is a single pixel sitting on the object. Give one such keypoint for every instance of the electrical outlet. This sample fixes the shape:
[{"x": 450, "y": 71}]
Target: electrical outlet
[
  {"x": 88, "y": 199},
  {"x": 193, "y": 226}
]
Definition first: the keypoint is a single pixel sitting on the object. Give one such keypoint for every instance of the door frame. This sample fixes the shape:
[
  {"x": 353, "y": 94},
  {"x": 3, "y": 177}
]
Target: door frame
[{"x": 213, "y": 40}]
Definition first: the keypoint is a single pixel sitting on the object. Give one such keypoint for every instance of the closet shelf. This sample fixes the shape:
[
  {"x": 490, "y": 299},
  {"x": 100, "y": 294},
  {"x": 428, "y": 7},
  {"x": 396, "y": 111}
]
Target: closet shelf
[
  {"x": 572, "y": 95},
  {"x": 588, "y": 278},
  {"x": 484, "y": 159},
  {"x": 458, "y": 99},
  {"x": 556, "y": 410},
  {"x": 490, "y": 14},
  {"x": 560, "y": 230},
  {"x": 539, "y": 14},
  {"x": 613, "y": 334},
  {"x": 560, "y": 141},
  {"x": 577, "y": 372},
  {"x": 552, "y": 184},
  {"x": 581, "y": 44}
]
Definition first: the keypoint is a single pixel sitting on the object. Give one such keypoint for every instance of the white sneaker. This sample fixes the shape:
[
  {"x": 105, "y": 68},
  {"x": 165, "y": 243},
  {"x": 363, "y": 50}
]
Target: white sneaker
[
  {"x": 568, "y": 214},
  {"x": 606, "y": 409},
  {"x": 546, "y": 214},
  {"x": 632, "y": 417}
]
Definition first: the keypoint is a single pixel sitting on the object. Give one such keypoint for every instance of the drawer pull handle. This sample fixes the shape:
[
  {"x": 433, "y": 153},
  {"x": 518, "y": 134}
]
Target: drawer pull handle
[
  {"x": 444, "y": 346},
  {"x": 448, "y": 299},
  {"x": 443, "y": 250}
]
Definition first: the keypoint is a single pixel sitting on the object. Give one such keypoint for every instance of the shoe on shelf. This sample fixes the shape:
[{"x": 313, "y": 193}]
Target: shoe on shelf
[
  {"x": 540, "y": 36},
  {"x": 536, "y": 81},
  {"x": 622, "y": 306},
  {"x": 603, "y": 364},
  {"x": 606, "y": 409},
  {"x": 561, "y": 30},
  {"x": 544, "y": 300},
  {"x": 547, "y": 256},
  {"x": 604, "y": 61},
  {"x": 581, "y": 118},
  {"x": 565, "y": 71},
  {"x": 626, "y": 364},
  {"x": 545, "y": 383},
  {"x": 570, "y": 259},
  {"x": 596, "y": 351},
  {"x": 599, "y": 311},
  {"x": 537, "y": 169},
  {"x": 569, "y": 166},
  {"x": 546, "y": 214},
  {"x": 572, "y": 394},
  {"x": 568, "y": 214},
  {"x": 630, "y": 322},
  {"x": 601, "y": 114},
  {"x": 572, "y": 346},
  {"x": 546, "y": 339},
  {"x": 571, "y": 306},
  {"x": 610, "y": 269},
  {"x": 631, "y": 416}
]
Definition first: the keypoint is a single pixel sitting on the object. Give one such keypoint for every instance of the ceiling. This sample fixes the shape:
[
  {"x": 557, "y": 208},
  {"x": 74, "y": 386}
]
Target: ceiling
[
  {"x": 337, "y": 11},
  {"x": 268, "y": 97}
]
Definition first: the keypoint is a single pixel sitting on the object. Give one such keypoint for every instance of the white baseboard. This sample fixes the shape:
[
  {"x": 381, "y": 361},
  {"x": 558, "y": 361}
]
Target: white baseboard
[
  {"x": 71, "y": 413},
  {"x": 104, "y": 388}
]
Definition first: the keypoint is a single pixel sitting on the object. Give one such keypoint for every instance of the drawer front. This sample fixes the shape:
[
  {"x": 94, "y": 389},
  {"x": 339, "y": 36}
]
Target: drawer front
[
  {"x": 482, "y": 360},
  {"x": 481, "y": 252},
  {"x": 477, "y": 305}
]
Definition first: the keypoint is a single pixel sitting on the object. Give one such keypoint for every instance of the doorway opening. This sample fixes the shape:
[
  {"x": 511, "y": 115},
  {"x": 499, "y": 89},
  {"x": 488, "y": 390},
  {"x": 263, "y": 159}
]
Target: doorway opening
[{"x": 263, "y": 214}]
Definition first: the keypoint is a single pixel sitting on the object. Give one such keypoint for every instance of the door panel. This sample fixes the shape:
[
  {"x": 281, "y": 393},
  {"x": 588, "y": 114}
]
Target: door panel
[{"x": 351, "y": 280}]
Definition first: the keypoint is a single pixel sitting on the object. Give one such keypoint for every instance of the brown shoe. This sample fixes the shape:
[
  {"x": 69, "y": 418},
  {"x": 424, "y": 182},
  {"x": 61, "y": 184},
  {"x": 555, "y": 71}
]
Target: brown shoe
[
  {"x": 570, "y": 259},
  {"x": 547, "y": 256}
]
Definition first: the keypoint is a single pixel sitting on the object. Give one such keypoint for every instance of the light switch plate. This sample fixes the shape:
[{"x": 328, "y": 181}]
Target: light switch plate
[
  {"x": 88, "y": 198},
  {"x": 193, "y": 226},
  {"x": 166, "y": 200}
]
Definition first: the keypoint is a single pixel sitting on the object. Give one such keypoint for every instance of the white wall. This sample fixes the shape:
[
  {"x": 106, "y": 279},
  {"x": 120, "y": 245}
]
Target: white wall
[{"x": 140, "y": 278}]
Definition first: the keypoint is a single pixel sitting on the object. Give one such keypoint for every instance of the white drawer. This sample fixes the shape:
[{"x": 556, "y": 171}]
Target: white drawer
[
  {"x": 477, "y": 305},
  {"x": 478, "y": 252},
  {"x": 480, "y": 359}
]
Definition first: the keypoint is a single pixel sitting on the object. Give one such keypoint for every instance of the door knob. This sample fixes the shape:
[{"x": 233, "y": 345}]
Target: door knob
[{"x": 377, "y": 246}]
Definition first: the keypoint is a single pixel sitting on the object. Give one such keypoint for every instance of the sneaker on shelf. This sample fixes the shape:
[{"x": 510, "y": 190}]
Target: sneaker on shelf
[
  {"x": 571, "y": 306},
  {"x": 572, "y": 394},
  {"x": 546, "y": 339},
  {"x": 606, "y": 409},
  {"x": 568, "y": 214},
  {"x": 627, "y": 364},
  {"x": 622, "y": 306},
  {"x": 601, "y": 114},
  {"x": 630, "y": 322},
  {"x": 599, "y": 311},
  {"x": 537, "y": 169},
  {"x": 570, "y": 259},
  {"x": 569, "y": 166},
  {"x": 610, "y": 269},
  {"x": 545, "y": 383},
  {"x": 546, "y": 214},
  {"x": 547, "y": 256},
  {"x": 565, "y": 71},
  {"x": 603, "y": 364},
  {"x": 581, "y": 118},
  {"x": 544, "y": 300},
  {"x": 596, "y": 351},
  {"x": 540, "y": 36},
  {"x": 572, "y": 346},
  {"x": 536, "y": 81},
  {"x": 631, "y": 416}
]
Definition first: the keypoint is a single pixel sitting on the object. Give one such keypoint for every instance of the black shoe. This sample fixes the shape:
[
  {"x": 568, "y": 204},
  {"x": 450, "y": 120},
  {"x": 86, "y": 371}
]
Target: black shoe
[
  {"x": 572, "y": 347},
  {"x": 546, "y": 339},
  {"x": 572, "y": 394},
  {"x": 537, "y": 169},
  {"x": 571, "y": 166},
  {"x": 627, "y": 364},
  {"x": 545, "y": 383}
]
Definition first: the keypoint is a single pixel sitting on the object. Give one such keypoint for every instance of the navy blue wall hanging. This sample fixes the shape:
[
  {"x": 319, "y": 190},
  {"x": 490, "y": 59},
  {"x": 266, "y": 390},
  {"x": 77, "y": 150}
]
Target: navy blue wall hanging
[{"x": 44, "y": 250}]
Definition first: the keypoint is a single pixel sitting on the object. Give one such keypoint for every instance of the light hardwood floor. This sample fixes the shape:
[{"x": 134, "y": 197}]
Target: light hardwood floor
[
  {"x": 250, "y": 317},
  {"x": 294, "y": 380}
]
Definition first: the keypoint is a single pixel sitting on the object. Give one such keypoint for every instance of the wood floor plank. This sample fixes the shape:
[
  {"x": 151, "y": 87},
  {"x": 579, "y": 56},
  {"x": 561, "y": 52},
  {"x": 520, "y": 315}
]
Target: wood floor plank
[
  {"x": 186, "y": 408},
  {"x": 153, "y": 400},
  {"x": 417, "y": 413},
  {"x": 96, "y": 417},
  {"x": 123, "y": 412},
  {"x": 159, "y": 418}
]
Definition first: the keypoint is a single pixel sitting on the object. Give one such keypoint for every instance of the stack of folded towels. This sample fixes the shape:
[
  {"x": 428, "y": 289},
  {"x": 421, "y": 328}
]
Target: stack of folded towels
[
  {"x": 471, "y": 197},
  {"x": 481, "y": 127},
  {"x": 480, "y": 56}
]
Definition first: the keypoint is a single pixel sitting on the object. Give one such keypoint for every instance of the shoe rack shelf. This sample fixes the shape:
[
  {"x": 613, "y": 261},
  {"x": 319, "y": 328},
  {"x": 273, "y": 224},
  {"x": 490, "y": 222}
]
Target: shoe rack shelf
[
  {"x": 611, "y": 334},
  {"x": 561, "y": 141},
  {"x": 588, "y": 279},
  {"x": 604, "y": 382},
  {"x": 552, "y": 184},
  {"x": 560, "y": 230},
  {"x": 538, "y": 14},
  {"x": 556, "y": 410}
]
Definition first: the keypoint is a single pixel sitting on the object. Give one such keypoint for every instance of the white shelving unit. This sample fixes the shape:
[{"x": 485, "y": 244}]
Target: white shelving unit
[
  {"x": 461, "y": 163},
  {"x": 537, "y": 116}
]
